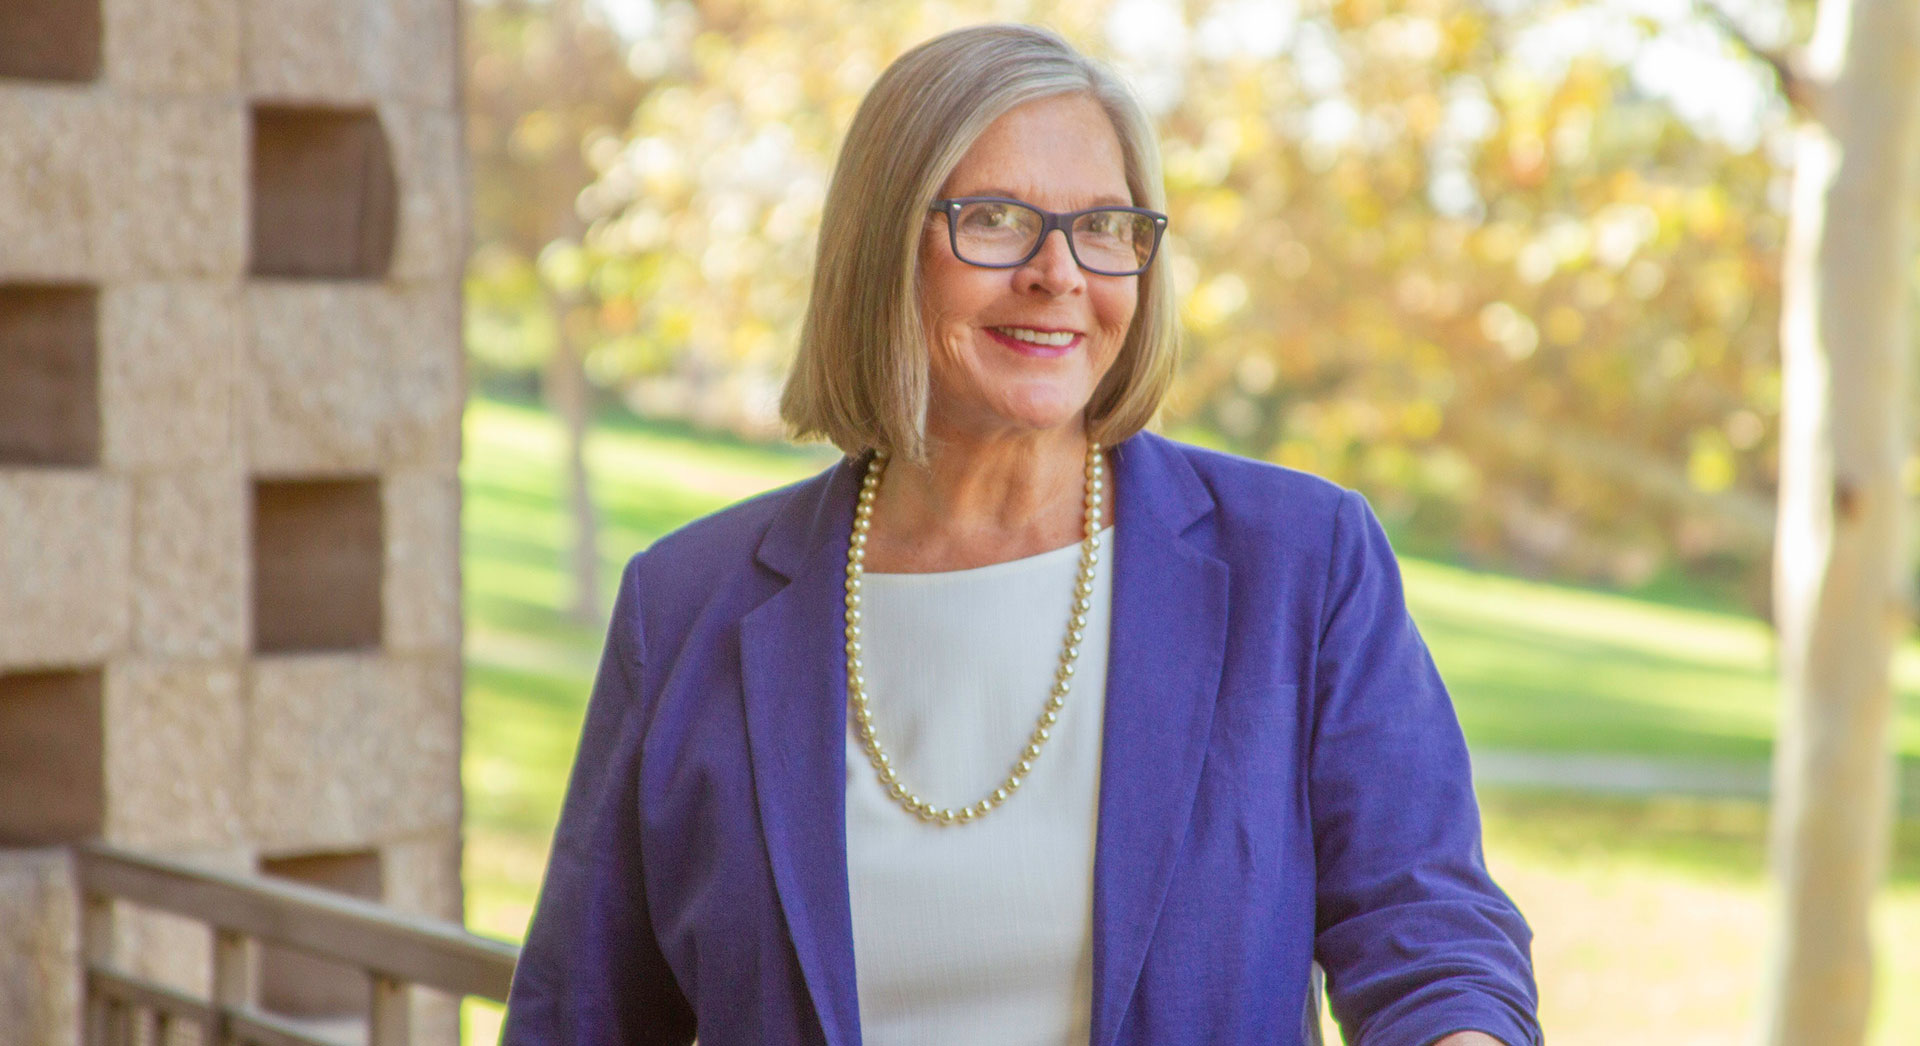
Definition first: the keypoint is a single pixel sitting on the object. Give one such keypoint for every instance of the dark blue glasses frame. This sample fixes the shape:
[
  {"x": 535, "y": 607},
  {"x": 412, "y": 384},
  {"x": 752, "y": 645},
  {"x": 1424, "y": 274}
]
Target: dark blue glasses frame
[{"x": 1049, "y": 221}]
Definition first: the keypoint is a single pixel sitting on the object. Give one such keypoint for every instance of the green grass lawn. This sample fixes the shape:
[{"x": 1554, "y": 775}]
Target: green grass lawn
[{"x": 1530, "y": 666}]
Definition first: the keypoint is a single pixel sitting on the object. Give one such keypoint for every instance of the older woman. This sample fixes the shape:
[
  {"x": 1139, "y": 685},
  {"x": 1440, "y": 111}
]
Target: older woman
[{"x": 1020, "y": 725}]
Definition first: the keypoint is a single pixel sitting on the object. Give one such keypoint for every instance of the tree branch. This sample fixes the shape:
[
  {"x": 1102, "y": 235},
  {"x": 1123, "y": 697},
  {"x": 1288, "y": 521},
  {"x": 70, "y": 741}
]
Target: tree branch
[{"x": 1796, "y": 85}]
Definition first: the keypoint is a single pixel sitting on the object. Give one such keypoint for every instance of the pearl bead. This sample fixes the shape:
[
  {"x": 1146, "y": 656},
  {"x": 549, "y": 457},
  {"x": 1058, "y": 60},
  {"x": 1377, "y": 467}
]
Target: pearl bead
[{"x": 1093, "y": 498}]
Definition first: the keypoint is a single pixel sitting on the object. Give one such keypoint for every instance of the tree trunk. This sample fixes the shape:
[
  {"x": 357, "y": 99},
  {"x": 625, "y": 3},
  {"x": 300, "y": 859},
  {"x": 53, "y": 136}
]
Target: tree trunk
[
  {"x": 1840, "y": 567},
  {"x": 567, "y": 396}
]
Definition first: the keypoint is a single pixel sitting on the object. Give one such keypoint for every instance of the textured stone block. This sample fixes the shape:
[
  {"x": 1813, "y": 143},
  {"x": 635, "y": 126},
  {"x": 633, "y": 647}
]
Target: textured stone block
[
  {"x": 352, "y": 50},
  {"x": 190, "y": 594},
  {"x": 39, "y": 949},
  {"x": 423, "y": 876},
  {"x": 171, "y": 195},
  {"x": 417, "y": 56},
  {"x": 422, "y": 576},
  {"x": 176, "y": 47},
  {"x": 347, "y": 748},
  {"x": 304, "y": 49},
  {"x": 168, "y": 352},
  {"x": 430, "y": 164},
  {"x": 64, "y": 544},
  {"x": 50, "y": 138},
  {"x": 175, "y": 763},
  {"x": 345, "y": 378}
]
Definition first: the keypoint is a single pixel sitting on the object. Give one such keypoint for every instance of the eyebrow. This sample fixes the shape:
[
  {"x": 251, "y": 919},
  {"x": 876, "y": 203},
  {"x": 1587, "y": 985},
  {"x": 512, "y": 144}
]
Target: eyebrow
[{"x": 1104, "y": 200}]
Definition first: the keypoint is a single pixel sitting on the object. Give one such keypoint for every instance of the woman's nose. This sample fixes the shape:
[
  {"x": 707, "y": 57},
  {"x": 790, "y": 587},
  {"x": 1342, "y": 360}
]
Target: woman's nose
[{"x": 1053, "y": 269}]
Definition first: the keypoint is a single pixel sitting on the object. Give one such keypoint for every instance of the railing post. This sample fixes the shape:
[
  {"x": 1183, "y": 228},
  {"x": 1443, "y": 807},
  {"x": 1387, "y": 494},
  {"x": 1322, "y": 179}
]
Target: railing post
[
  {"x": 232, "y": 981},
  {"x": 388, "y": 1021},
  {"x": 96, "y": 949}
]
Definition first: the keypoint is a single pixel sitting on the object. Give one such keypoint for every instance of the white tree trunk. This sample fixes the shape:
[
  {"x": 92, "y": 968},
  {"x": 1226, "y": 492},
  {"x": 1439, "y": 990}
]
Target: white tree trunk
[{"x": 1840, "y": 567}]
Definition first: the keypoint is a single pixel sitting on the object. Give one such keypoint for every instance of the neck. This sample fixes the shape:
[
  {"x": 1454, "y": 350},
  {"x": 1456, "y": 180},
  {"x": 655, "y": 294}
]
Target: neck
[{"x": 981, "y": 502}]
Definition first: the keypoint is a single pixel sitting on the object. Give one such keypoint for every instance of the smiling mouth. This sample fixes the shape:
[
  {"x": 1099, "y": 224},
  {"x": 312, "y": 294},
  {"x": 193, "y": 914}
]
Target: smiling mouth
[{"x": 1038, "y": 339}]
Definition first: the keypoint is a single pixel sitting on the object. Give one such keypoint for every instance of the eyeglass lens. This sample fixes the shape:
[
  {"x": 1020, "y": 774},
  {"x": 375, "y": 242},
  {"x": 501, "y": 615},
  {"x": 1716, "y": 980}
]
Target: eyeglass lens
[{"x": 993, "y": 233}]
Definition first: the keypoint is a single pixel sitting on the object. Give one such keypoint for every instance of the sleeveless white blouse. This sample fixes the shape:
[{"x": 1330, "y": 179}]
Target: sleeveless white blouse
[{"x": 978, "y": 933}]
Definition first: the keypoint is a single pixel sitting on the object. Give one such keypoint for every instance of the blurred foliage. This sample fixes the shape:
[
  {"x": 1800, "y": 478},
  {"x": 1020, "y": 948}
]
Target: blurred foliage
[
  {"x": 1427, "y": 248},
  {"x": 542, "y": 79}
]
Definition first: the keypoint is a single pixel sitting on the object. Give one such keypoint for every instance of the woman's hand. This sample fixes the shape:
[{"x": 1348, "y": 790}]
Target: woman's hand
[{"x": 1469, "y": 1038}]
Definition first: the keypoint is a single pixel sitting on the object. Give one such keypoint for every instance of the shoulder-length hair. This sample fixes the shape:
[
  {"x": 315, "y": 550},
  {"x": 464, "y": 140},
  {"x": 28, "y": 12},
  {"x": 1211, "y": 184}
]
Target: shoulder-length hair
[{"x": 861, "y": 377}]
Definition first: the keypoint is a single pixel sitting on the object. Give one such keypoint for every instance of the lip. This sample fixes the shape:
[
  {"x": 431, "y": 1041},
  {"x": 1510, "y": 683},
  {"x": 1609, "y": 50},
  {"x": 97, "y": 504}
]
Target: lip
[{"x": 1038, "y": 351}]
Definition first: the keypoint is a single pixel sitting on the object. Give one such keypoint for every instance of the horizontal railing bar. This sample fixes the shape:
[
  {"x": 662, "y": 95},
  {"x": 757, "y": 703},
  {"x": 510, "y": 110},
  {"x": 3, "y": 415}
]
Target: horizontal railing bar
[
  {"x": 116, "y": 985},
  {"x": 258, "y": 1028},
  {"x": 345, "y": 929}
]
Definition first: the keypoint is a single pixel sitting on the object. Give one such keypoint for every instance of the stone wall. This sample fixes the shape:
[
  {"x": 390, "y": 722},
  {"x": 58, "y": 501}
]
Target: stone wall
[{"x": 231, "y": 239}]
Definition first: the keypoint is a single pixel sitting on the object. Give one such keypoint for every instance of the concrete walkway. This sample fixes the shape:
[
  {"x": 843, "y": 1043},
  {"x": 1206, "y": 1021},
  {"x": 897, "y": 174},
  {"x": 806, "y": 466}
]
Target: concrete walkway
[{"x": 1636, "y": 775}]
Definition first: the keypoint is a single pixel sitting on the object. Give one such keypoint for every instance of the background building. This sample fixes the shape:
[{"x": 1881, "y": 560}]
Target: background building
[{"x": 231, "y": 239}]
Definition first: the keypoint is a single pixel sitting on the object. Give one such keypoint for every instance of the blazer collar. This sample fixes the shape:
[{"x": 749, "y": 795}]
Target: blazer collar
[{"x": 1166, "y": 650}]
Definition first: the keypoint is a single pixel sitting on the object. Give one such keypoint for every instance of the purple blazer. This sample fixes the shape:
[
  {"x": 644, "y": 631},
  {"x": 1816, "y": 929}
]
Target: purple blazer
[{"x": 1282, "y": 780}]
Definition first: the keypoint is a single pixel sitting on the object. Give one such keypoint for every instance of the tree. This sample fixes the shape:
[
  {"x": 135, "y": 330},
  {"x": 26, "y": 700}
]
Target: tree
[
  {"x": 545, "y": 81},
  {"x": 1842, "y": 571}
]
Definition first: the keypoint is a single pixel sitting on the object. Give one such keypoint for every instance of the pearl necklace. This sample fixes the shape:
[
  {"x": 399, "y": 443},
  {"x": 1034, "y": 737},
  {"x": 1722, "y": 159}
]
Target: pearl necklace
[{"x": 1063, "y": 677}]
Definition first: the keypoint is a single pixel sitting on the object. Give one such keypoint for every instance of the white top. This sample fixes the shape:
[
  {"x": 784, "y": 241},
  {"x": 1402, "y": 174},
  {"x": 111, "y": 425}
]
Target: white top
[{"x": 978, "y": 933}]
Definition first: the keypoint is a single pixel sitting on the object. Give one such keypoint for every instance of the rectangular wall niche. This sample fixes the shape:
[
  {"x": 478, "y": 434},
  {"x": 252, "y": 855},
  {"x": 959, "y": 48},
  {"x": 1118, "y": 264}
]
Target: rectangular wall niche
[
  {"x": 51, "y": 774},
  {"x": 318, "y": 556},
  {"x": 325, "y": 198},
  {"x": 49, "y": 375},
  {"x": 300, "y": 985},
  {"x": 50, "y": 39}
]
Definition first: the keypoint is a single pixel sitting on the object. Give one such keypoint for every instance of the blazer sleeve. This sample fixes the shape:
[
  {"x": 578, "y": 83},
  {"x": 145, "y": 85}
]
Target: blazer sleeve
[
  {"x": 1416, "y": 939},
  {"x": 591, "y": 972}
]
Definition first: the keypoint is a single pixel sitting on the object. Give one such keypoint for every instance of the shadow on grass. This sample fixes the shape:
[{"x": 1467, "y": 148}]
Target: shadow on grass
[{"x": 1710, "y": 838}]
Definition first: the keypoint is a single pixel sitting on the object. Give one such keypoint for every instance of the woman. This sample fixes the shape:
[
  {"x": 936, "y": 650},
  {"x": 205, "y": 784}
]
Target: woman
[{"x": 1019, "y": 725}]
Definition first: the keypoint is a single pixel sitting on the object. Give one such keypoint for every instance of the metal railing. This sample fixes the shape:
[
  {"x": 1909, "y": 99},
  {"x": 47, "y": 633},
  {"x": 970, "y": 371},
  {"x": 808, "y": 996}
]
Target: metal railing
[{"x": 395, "y": 951}]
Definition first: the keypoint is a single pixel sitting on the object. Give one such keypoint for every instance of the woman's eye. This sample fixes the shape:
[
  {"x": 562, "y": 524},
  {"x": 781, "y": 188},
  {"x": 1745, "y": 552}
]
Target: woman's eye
[
  {"x": 989, "y": 216},
  {"x": 1114, "y": 225}
]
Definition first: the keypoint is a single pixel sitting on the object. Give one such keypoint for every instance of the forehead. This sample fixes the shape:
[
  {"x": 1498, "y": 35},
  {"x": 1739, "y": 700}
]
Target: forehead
[{"x": 1061, "y": 153}]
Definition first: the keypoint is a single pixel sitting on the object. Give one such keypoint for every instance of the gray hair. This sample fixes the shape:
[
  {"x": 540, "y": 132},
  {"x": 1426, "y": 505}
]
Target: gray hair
[{"x": 861, "y": 377}]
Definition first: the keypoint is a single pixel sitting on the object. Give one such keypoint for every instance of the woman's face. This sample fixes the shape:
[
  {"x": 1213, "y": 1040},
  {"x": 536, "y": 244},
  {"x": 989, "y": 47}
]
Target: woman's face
[{"x": 990, "y": 376}]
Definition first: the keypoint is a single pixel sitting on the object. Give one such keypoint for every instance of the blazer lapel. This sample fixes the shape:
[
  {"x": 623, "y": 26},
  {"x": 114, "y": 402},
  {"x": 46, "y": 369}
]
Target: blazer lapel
[
  {"x": 1166, "y": 650},
  {"x": 794, "y": 675}
]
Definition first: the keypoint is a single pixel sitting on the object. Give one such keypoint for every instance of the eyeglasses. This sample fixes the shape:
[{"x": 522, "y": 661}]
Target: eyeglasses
[{"x": 994, "y": 232}]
